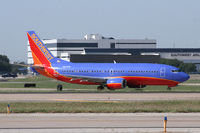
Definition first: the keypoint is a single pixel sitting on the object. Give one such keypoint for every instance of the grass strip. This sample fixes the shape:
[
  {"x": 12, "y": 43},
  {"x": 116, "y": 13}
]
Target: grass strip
[
  {"x": 43, "y": 82},
  {"x": 89, "y": 88},
  {"x": 100, "y": 107}
]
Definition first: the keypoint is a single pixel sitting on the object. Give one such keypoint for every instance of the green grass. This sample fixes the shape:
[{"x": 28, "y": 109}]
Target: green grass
[
  {"x": 92, "y": 88},
  {"x": 31, "y": 79},
  {"x": 43, "y": 82},
  {"x": 73, "y": 88},
  {"x": 48, "y": 84},
  {"x": 96, "y": 107}
]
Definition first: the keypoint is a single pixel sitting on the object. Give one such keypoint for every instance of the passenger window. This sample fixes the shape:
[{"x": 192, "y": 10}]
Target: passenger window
[{"x": 175, "y": 71}]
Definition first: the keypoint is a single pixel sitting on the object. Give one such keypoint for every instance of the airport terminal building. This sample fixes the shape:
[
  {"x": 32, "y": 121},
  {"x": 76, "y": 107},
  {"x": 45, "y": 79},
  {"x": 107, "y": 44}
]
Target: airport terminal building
[
  {"x": 96, "y": 48},
  {"x": 64, "y": 48}
]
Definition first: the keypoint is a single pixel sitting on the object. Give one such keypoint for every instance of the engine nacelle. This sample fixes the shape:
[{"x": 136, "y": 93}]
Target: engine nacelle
[{"x": 116, "y": 83}]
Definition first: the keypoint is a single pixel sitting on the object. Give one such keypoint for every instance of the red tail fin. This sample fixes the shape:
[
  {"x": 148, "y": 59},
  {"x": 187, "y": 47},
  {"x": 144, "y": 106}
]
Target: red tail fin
[{"x": 41, "y": 55}]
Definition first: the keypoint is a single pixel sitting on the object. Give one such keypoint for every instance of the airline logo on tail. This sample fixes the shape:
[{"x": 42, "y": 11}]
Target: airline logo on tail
[{"x": 41, "y": 46}]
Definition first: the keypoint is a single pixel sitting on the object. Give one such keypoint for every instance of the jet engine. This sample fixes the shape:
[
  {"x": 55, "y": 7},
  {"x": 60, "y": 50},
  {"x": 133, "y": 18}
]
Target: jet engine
[{"x": 116, "y": 83}]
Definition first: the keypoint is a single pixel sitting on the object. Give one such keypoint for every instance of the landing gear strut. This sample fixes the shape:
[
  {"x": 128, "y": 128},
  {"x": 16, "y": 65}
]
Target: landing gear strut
[
  {"x": 169, "y": 88},
  {"x": 100, "y": 88},
  {"x": 59, "y": 87}
]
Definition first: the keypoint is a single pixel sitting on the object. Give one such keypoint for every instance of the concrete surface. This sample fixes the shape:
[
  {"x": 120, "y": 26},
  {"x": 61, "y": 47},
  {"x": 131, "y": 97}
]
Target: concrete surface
[
  {"x": 70, "y": 97},
  {"x": 100, "y": 122}
]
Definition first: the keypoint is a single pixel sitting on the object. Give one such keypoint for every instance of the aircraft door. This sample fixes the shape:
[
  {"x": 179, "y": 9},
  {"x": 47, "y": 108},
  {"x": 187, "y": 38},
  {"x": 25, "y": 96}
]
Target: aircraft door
[
  {"x": 111, "y": 72},
  {"x": 162, "y": 72}
]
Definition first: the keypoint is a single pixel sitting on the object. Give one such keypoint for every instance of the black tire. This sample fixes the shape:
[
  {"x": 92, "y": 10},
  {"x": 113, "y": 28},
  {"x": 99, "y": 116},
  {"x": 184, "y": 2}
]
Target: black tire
[
  {"x": 100, "y": 88},
  {"x": 169, "y": 88},
  {"x": 59, "y": 88}
]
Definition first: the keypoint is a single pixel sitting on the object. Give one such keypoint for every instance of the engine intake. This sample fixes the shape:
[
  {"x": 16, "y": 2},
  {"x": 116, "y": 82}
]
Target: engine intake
[{"x": 116, "y": 83}]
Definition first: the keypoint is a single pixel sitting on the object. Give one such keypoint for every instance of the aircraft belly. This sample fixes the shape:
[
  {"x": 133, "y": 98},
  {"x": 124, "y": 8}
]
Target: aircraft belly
[{"x": 149, "y": 81}]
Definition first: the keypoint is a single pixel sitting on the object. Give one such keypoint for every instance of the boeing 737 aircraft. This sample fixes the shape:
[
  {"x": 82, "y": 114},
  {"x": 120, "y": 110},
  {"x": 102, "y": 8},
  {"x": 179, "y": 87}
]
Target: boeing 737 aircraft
[{"x": 110, "y": 75}]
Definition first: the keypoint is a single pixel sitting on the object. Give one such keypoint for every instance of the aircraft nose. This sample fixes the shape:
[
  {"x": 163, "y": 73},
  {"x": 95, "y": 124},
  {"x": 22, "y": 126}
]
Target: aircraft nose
[
  {"x": 185, "y": 77},
  {"x": 188, "y": 76}
]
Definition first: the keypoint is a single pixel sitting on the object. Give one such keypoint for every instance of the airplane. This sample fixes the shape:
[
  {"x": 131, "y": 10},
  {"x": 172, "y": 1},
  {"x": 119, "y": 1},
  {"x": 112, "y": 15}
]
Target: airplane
[{"x": 111, "y": 75}]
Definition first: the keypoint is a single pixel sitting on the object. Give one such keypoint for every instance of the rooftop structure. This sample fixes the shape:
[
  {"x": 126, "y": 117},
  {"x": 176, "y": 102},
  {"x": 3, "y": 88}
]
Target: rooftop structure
[{"x": 63, "y": 48}]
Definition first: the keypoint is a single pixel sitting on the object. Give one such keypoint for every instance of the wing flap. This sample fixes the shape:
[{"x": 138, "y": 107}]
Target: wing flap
[
  {"x": 88, "y": 78},
  {"x": 34, "y": 66}
]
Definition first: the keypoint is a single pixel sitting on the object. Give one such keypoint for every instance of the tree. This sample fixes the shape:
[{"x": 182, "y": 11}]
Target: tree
[
  {"x": 171, "y": 62},
  {"x": 188, "y": 67},
  {"x": 185, "y": 67},
  {"x": 19, "y": 69},
  {"x": 5, "y": 66}
]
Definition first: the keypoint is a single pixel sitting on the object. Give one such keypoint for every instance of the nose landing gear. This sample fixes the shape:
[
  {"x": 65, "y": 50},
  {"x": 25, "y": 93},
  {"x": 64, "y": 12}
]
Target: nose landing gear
[
  {"x": 100, "y": 88},
  {"x": 169, "y": 88}
]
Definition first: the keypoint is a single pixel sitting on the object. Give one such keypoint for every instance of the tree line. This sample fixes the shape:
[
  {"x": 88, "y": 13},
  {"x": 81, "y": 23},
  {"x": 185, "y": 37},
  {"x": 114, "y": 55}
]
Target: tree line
[
  {"x": 185, "y": 67},
  {"x": 6, "y": 67}
]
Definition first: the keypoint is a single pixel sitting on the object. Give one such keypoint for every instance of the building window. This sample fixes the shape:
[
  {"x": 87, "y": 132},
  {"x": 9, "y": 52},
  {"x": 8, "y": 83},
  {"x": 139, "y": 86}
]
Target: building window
[
  {"x": 112, "y": 45},
  {"x": 77, "y": 45}
]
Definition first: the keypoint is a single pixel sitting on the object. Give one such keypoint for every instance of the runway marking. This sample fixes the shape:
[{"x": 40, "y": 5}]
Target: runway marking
[{"x": 83, "y": 101}]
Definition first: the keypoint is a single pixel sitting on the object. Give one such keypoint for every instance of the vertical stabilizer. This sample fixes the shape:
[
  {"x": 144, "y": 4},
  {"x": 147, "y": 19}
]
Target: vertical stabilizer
[{"x": 41, "y": 55}]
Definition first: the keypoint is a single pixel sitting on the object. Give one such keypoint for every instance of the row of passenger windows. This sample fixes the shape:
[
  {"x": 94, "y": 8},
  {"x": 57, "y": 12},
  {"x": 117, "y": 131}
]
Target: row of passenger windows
[
  {"x": 176, "y": 70},
  {"x": 111, "y": 71}
]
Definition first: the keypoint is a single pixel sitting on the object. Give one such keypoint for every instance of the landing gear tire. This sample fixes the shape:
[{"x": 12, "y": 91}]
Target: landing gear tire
[
  {"x": 59, "y": 88},
  {"x": 100, "y": 88},
  {"x": 169, "y": 88}
]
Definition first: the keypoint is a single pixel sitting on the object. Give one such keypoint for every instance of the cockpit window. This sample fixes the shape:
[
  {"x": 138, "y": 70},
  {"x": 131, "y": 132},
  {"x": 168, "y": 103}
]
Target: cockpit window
[{"x": 175, "y": 71}]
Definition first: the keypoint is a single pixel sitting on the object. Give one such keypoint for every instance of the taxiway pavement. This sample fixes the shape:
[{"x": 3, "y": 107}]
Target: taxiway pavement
[
  {"x": 81, "y": 97},
  {"x": 100, "y": 122}
]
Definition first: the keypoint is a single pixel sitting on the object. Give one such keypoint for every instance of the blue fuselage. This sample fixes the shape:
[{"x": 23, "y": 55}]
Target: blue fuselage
[{"x": 160, "y": 71}]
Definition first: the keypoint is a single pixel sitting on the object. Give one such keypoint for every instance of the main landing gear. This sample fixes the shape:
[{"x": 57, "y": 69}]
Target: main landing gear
[
  {"x": 100, "y": 88},
  {"x": 169, "y": 88},
  {"x": 59, "y": 87}
]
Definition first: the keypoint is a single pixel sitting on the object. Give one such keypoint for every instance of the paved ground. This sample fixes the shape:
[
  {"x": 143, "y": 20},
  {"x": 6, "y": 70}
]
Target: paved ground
[
  {"x": 190, "y": 84},
  {"x": 36, "y": 90},
  {"x": 106, "y": 122},
  {"x": 70, "y": 97}
]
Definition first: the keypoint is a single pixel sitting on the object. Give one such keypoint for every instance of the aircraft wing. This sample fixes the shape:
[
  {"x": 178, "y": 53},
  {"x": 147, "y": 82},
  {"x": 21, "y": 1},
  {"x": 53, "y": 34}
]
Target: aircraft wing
[
  {"x": 34, "y": 66},
  {"x": 88, "y": 78}
]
